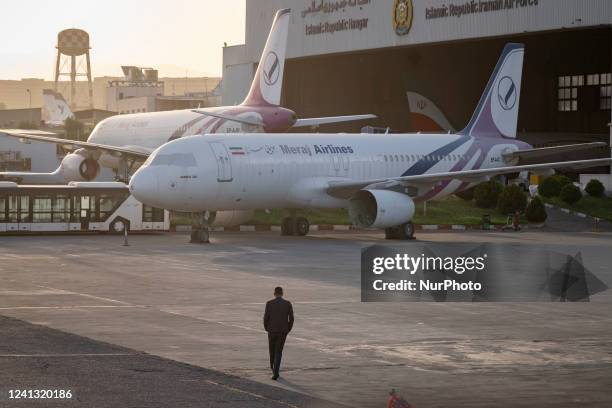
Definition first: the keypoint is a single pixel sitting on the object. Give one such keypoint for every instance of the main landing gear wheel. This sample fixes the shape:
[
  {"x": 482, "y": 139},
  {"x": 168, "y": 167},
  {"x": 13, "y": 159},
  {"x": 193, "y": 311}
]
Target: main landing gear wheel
[
  {"x": 406, "y": 231},
  {"x": 287, "y": 226},
  {"x": 302, "y": 226},
  {"x": 295, "y": 226},
  {"x": 402, "y": 232}
]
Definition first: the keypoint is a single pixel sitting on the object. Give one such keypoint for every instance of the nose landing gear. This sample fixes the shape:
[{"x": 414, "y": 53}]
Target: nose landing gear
[{"x": 200, "y": 227}]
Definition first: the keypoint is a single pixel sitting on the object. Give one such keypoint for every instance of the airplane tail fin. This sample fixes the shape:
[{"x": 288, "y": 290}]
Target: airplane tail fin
[
  {"x": 425, "y": 116},
  {"x": 268, "y": 80},
  {"x": 55, "y": 108},
  {"x": 497, "y": 111}
]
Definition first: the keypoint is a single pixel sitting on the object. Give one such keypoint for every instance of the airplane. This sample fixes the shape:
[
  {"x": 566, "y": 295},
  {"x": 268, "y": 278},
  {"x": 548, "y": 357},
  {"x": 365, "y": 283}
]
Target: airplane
[
  {"x": 123, "y": 141},
  {"x": 55, "y": 108},
  {"x": 425, "y": 116},
  {"x": 378, "y": 179}
]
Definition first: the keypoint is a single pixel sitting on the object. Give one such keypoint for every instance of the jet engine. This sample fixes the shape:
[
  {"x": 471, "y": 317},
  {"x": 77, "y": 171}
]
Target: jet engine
[
  {"x": 76, "y": 167},
  {"x": 232, "y": 218},
  {"x": 380, "y": 209}
]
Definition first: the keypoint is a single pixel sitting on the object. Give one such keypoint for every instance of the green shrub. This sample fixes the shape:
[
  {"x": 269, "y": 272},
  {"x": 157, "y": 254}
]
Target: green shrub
[
  {"x": 487, "y": 193},
  {"x": 536, "y": 211},
  {"x": 570, "y": 194},
  {"x": 512, "y": 198},
  {"x": 551, "y": 186},
  {"x": 594, "y": 188},
  {"x": 467, "y": 195}
]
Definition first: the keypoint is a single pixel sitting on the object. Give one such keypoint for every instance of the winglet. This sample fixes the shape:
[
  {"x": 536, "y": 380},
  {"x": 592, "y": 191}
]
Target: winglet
[
  {"x": 497, "y": 111},
  {"x": 268, "y": 80}
]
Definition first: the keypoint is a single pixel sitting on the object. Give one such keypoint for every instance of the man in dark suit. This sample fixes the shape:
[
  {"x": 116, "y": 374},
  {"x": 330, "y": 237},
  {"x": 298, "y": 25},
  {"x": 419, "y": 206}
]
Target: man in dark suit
[{"x": 278, "y": 322}]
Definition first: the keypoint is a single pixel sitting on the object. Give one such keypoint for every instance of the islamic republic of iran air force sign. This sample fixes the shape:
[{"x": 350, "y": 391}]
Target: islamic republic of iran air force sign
[{"x": 402, "y": 16}]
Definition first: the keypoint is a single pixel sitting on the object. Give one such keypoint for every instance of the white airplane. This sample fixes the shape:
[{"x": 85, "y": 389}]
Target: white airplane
[
  {"x": 378, "y": 179},
  {"x": 425, "y": 116},
  {"x": 55, "y": 108},
  {"x": 122, "y": 142}
]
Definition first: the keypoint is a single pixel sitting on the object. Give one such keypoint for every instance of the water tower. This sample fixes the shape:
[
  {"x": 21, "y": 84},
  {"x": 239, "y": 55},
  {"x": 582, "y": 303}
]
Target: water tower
[{"x": 73, "y": 51}]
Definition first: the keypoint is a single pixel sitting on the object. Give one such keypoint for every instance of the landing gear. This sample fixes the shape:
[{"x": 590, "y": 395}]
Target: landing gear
[
  {"x": 402, "y": 232},
  {"x": 200, "y": 227},
  {"x": 292, "y": 225}
]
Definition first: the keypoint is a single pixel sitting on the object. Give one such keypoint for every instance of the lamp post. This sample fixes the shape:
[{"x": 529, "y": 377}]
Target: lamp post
[{"x": 30, "y": 106}]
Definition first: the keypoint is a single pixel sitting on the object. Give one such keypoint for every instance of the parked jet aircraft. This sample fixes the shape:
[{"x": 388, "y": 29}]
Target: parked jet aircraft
[
  {"x": 120, "y": 142},
  {"x": 425, "y": 116},
  {"x": 55, "y": 108},
  {"x": 378, "y": 179}
]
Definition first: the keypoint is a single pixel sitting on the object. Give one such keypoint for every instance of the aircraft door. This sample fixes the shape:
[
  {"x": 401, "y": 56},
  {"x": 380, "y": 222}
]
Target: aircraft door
[
  {"x": 224, "y": 162},
  {"x": 346, "y": 162},
  {"x": 340, "y": 165}
]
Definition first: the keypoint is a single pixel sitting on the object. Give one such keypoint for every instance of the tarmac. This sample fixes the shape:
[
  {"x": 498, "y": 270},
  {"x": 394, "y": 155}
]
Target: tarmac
[{"x": 168, "y": 323}]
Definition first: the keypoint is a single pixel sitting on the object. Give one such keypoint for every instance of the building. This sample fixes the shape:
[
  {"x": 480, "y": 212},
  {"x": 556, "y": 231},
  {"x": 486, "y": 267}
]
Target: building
[
  {"x": 13, "y": 118},
  {"x": 363, "y": 56},
  {"x": 14, "y": 94}
]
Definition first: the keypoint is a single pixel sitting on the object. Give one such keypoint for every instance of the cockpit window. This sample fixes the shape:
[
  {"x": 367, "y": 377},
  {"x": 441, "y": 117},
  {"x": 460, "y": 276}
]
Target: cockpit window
[{"x": 174, "y": 159}]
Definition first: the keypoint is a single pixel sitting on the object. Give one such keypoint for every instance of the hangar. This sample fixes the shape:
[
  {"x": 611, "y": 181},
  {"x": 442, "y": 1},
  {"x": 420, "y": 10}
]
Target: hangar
[{"x": 363, "y": 56}]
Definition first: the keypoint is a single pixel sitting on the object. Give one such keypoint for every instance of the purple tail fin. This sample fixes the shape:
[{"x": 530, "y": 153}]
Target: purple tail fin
[
  {"x": 268, "y": 81},
  {"x": 497, "y": 111}
]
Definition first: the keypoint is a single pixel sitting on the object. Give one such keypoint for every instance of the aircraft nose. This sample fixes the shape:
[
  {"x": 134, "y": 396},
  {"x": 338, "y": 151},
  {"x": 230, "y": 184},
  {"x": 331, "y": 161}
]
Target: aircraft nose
[{"x": 144, "y": 186}]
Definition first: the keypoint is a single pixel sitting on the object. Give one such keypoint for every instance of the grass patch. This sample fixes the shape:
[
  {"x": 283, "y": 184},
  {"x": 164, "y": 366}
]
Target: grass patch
[
  {"x": 451, "y": 210},
  {"x": 600, "y": 207},
  {"x": 454, "y": 210}
]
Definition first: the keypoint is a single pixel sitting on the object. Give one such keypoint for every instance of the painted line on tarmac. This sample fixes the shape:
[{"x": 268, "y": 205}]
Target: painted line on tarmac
[
  {"x": 71, "y": 307},
  {"x": 86, "y": 295},
  {"x": 252, "y": 394}
]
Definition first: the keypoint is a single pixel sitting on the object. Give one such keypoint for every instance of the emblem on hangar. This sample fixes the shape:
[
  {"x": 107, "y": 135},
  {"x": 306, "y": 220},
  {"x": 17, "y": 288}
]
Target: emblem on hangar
[{"x": 402, "y": 16}]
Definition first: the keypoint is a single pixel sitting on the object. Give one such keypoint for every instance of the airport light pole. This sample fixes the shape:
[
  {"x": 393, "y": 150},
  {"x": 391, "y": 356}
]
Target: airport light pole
[{"x": 30, "y": 106}]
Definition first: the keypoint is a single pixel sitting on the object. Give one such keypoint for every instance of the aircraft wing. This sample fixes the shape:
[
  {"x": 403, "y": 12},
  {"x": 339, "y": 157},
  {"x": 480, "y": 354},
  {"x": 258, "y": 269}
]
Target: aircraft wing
[
  {"x": 342, "y": 189},
  {"x": 547, "y": 151},
  {"x": 314, "y": 122},
  {"x": 138, "y": 154}
]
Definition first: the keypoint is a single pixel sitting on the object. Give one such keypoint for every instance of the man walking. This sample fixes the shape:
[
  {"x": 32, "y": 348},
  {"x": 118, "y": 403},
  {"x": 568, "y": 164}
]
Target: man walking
[{"x": 278, "y": 322}]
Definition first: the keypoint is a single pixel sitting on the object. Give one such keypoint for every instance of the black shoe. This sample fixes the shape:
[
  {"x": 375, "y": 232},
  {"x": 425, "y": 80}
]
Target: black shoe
[{"x": 275, "y": 377}]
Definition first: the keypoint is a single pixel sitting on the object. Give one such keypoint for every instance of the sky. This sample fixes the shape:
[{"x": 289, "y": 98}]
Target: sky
[{"x": 178, "y": 37}]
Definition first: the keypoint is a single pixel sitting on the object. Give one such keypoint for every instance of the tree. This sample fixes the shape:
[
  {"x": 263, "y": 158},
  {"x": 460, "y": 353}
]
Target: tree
[
  {"x": 75, "y": 130},
  {"x": 594, "y": 188},
  {"x": 511, "y": 199},
  {"x": 551, "y": 186},
  {"x": 536, "y": 211},
  {"x": 467, "y": 195},
  {"x": 487, "y": 193},
  {"x": 570, "y": 194}
]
